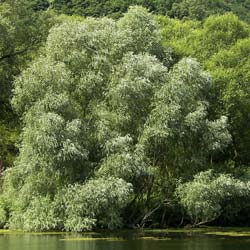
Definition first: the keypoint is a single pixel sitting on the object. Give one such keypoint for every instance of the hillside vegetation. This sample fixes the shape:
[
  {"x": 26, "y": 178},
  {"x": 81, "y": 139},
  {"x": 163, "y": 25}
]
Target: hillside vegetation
[{"x": 188, "y": 9}]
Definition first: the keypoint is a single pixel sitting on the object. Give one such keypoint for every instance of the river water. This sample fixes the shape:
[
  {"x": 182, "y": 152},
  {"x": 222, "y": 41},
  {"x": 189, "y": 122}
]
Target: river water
[{"x": 125, "y": 241}]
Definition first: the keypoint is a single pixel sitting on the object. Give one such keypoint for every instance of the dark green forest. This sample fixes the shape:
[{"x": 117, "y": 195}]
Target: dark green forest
[
  {"x": 124, "y": 114},
  {"x": 181, "y": 9}
]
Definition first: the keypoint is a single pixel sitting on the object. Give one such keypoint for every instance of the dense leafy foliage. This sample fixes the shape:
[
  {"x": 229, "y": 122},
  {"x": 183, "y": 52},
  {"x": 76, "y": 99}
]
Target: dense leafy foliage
[
  {"x": 121, "y": 126},
  {"x": 22, "y": 32},
  {"x": 209, "y": 195},
  {"x": 221, "y": 43},
  {"x": 101, "y": 110},
  {"x": 191, "y": 9},
  {"x": 200, "y": 9}
]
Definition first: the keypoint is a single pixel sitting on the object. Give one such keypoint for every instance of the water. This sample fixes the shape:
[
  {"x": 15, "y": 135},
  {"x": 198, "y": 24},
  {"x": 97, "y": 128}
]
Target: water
[{"x": 127, "y": 242}]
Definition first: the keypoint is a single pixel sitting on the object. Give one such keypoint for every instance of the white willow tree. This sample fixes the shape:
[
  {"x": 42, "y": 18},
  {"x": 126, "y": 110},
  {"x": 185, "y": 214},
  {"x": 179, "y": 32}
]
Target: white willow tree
[
  {"x": 209, "y": 195},
  {"x": 101, "y": 113},
  {"x": 178, "y": 132}
]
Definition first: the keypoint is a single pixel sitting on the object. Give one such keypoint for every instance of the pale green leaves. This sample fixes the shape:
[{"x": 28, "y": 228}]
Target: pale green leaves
[
  {"x": 43, "y": 77},
  {"x": 139, "y": 32},
  {"x": 124, "y": 160},
  {"x": 103, "y": 119},
  {"x": 178, "y": 128},
  {"x": 208, "y": 194},
  {"x": 181, "y": 107},
  {"x": 53, "y": 139},
  {"x": 98, "y": 201},
  {"x": 133, "y": 86}
]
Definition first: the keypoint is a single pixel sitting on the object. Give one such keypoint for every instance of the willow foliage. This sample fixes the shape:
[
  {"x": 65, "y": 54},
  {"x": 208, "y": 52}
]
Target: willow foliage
[{"x": 107, "y": 121}]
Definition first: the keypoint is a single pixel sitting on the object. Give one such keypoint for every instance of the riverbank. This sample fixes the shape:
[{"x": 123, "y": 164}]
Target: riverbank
[{"x": 144, "y": 233}]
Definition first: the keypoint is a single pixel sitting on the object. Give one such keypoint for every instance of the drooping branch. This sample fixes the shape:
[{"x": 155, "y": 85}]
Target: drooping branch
[
  {"x": 14, "y": 54},
  {"x": 201, "y": 223},
  {"x": 150, "y": 213},
  {"x": 33, "y": 45}
]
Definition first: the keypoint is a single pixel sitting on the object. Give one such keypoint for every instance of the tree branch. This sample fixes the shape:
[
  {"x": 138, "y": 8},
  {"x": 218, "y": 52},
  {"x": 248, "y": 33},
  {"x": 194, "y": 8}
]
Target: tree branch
[{"x": 14, "y": 54}]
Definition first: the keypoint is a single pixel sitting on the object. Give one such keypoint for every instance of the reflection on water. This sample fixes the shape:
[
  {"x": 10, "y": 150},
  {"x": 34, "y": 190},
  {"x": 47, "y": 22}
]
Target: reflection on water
[{"x": 55, "y": 242}]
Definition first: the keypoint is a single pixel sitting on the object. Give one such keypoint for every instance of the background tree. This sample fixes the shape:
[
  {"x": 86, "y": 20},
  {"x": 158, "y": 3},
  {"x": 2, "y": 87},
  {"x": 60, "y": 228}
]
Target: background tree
[
  {"x": 22, "y": 33},
  {"x": 221, "y": 44},
  {"x": 187, "y": 9}
]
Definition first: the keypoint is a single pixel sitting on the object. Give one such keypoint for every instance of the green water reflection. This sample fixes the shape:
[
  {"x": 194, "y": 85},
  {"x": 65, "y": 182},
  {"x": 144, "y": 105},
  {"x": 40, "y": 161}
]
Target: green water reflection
[{"x": 125, "y": 242}]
